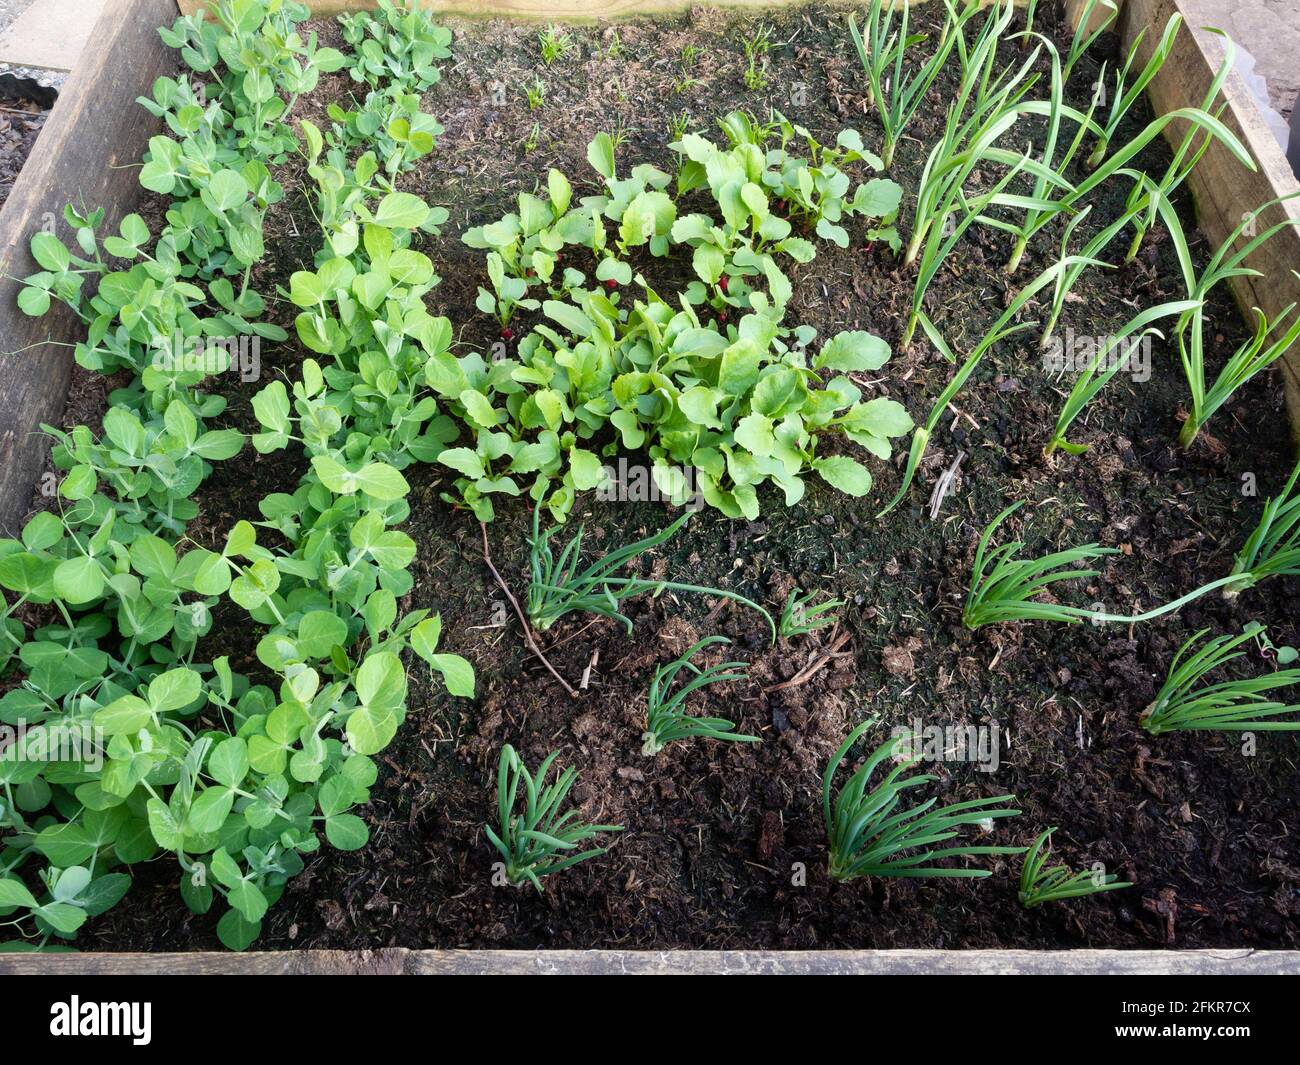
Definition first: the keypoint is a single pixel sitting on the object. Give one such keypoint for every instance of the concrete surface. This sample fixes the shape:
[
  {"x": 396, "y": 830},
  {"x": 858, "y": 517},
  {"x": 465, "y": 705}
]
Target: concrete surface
[
  {"x": 1269, "y": 30},
  {"x": 49, "y": 34}
]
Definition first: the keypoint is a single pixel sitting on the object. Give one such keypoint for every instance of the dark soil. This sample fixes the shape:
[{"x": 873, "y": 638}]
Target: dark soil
[{"x": 724, "y": 845}]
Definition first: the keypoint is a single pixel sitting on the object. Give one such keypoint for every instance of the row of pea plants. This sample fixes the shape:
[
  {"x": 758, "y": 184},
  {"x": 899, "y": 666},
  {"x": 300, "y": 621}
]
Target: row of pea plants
[{"x": 106, "y": 597}]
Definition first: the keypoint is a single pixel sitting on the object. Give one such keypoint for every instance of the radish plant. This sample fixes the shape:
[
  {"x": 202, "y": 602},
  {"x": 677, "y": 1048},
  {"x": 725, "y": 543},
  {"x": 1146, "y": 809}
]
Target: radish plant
[
  {"x": 666, "y": 718},
  {"x": 869, "y": 835},
  {"x": 539, "y": 839}
]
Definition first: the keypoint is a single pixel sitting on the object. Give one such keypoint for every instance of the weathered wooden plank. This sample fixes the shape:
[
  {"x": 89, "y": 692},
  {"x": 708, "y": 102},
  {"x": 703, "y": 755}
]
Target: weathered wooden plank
[
  {"x": 398, "y": 961},
  {"x": 86, "y": 153}
]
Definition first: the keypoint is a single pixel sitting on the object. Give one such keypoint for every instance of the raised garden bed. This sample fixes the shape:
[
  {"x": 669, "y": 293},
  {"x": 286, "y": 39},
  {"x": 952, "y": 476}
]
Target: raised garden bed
[{"x": 723, "y": 845}]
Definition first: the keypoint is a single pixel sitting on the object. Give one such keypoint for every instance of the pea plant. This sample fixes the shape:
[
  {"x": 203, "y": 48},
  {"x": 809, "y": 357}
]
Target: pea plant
[
  {"x": 238, "y": 780},
  {"x": 869, "y": 832},
  {"x": 397, "y": 45}
]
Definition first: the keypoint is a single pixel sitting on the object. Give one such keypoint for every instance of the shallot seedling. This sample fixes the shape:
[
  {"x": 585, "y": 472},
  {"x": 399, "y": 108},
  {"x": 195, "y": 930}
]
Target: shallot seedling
[
  {"x": 558, "y": 587},
  {"x": 539, "y": 840},
  {"x": 869, "y": 835},
  {"x": 1005, "y": 587},
  {"x": 666, "y": 716},
  {"x": 1235, "y": 705},
  {"x": 1040, "y": 883}
]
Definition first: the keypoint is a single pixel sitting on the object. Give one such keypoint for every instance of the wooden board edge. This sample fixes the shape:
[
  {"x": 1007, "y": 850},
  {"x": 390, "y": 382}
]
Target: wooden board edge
[
  {"x": 87, "y": 152},
  {"x": 401, "y": 961}
]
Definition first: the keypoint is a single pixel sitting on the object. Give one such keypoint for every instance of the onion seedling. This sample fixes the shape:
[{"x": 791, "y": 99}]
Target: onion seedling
[
  {"x": 1000, "y": 330},
  {"x": 538, "y": 841},
  {"x": 1115, "y": 355},
  {"x": 1003, "y": 587},
  {"x": 1089, "y": 254},
  {"x": 868, "y": 835},
  {"x": 1124, "y": 98},
  {"x": 558, "y": 587},
  {"x": 1037, "y": 206},
  {"x": 1086, "y": 32},
  {"x": 554, "y": 44},
  {"x": 1202, "y": 121},
  {"x": 1253, "y": 356},
  {"x": 881, "y": 51},
  {"x": 967, "y": 136},
  {"x": 1236, "y": 705},
  {"x": 1270, "y": 342},
  {"x": 1273, "y": 547},
  {"x": 799, "y": 619},
  {"x": 1041, "y": 883},
  {"x": 666, "y": 717}
]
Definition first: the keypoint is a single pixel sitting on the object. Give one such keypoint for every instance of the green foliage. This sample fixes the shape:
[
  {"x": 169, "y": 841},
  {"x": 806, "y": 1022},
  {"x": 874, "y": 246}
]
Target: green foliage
[
  {"x": 666, "y": 717},
  {"x": 799, "y": 616},
  {"x": 539, "y": 840},
  {"x": 554, "y": 44},
  {"x": 1184, "y": 702},
  {"x": 724, "y": 405},
  {"x": 398, "y": 45},
  {"x": 214, "y": 166},
  {"x": 1040, "y": 883},
  {"x": 1273, "y": 547},
  {"x": 1108, "y": 360},
  {"x": 1126, "y": 92},
  {"x": 1005, "y": 587},
  {"x": 237, "y": 780},
  {"x": 395, "y": 55},
  {"x": 558, "y": 587},
  {"x": 868, "y": 835},
  {"x": 897, "y": 96},
  {"x": 1271, "y": 340},
  {"x": 756, "y": 45}
]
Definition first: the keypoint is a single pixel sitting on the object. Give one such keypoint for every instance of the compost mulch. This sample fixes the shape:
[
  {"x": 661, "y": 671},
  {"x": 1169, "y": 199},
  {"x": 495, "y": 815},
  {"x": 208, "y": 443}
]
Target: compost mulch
[
  {"x": 21, "y": 121},
  {"x": 724, "y": 845}
]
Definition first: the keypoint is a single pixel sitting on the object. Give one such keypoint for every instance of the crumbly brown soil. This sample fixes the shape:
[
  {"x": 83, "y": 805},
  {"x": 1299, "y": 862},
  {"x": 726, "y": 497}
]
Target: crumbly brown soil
[
  {"x": 21, "y": 121},
  {"x": 717, "y": 834}
]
